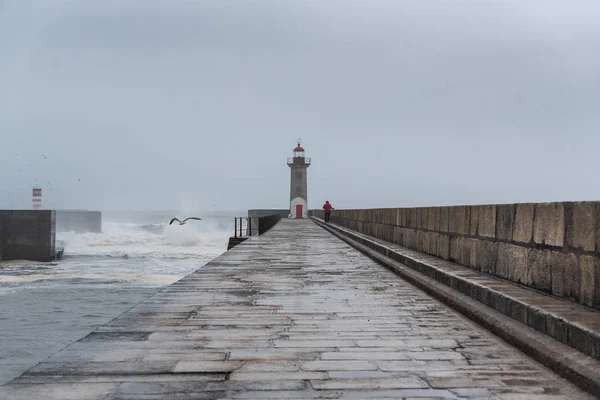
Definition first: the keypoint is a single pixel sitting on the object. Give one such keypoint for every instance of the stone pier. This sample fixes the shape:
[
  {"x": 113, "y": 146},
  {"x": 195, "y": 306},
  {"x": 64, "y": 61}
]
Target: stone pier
[{"x": 294, "y": 313}]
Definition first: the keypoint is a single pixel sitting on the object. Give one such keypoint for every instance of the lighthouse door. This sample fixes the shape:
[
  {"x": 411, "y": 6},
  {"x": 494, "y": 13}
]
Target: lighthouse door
[{"x": 298, "y": 210}]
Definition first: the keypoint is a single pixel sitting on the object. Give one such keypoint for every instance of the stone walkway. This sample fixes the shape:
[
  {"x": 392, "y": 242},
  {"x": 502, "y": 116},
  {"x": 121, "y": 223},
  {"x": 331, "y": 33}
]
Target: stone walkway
[{"x": 295, "y": 313}]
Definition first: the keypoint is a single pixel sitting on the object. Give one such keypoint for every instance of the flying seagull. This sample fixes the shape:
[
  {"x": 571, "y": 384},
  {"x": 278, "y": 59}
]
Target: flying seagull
[{"x": 183, "y": 222}]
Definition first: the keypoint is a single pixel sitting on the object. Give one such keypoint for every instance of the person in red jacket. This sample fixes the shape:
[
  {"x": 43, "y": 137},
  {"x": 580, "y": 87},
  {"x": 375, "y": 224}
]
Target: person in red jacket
[{"x": 327, "y": 208}]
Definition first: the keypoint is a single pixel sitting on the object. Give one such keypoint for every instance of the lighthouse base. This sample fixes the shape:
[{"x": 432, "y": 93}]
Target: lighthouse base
[{"x": 298, "y": 208}]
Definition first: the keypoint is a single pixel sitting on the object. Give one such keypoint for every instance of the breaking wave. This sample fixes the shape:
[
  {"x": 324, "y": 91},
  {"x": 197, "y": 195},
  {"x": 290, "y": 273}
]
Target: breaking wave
[
  {"x": 147, "y": 254},
  {"x": 129, "y": 240}
]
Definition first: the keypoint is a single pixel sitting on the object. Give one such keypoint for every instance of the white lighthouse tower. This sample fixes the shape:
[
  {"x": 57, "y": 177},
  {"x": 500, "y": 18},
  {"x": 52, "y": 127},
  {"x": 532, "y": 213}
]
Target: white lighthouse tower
[{"x": 298, "y": 187}]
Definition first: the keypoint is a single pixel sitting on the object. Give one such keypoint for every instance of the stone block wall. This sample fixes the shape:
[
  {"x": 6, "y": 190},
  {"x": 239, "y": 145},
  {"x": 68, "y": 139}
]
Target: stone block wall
[{"x": 553, "y": 247}]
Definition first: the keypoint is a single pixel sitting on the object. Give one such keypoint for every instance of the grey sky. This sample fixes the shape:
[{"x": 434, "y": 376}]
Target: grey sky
[{"x": 154, "y": 104}]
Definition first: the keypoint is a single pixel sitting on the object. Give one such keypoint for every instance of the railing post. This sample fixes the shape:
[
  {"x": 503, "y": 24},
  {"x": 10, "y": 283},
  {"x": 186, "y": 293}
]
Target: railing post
[
  {"x": 241, "y": 223},
  {"x": 235, "y": 229},
  {"x": 249, "y": 226}
]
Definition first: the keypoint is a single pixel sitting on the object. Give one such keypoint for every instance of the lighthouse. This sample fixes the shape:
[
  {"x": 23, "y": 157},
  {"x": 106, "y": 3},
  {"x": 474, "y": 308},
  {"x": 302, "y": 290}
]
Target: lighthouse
[
  {"x": 298, "y": 198},
  {"x": 36, "y": 198}
]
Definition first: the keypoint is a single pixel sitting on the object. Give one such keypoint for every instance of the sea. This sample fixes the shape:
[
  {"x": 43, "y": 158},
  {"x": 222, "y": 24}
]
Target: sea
[{"x": 44, "y": 307}]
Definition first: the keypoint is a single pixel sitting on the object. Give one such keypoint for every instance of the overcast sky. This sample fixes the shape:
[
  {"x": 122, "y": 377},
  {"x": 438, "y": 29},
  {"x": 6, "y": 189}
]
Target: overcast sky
[{"x": 191, "y": 104}]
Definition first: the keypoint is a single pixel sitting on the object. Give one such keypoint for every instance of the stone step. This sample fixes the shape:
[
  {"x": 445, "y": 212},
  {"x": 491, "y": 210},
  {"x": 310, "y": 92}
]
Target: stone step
[{"x": 568, "y": 322}]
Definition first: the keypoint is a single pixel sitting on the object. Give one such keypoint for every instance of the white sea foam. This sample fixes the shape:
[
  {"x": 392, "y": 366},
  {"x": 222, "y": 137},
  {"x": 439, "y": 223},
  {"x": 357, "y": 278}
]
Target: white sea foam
[
  {"x": 130, "y": 240},
  {"x": 142, "y": 254}
]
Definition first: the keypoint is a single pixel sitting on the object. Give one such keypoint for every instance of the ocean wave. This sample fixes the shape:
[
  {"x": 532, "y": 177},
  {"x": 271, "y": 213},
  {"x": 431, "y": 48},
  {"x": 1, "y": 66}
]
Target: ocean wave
[
  {"x": 153, "y": 228},
  {"x": 129, "y": 240}
]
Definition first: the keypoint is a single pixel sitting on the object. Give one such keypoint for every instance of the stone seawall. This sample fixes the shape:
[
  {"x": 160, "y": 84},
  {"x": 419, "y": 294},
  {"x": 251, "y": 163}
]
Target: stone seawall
[
  {"x": 553, "y": 247},
  {"x": 296, "y": 314}
]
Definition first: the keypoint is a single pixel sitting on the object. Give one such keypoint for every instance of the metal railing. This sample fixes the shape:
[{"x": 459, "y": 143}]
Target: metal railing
[
  {"x": 239, "y": 221},
  {"x": 243, "y": 225},
  {"x": 292, "y": 160}
]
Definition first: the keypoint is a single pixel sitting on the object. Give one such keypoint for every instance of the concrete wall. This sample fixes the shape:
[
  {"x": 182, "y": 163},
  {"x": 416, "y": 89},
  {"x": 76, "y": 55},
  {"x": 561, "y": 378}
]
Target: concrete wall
[
  {"x": 255, "y": 214},
  {"x": 27, "y": 235},
  {"x": 78, "y": 221},
  {"x": 553, "y": 247},
  {"x": 267, "y": 222}
]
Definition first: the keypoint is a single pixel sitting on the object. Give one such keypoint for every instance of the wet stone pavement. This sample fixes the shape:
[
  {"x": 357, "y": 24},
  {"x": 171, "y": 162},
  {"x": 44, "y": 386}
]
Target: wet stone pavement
[{"x": 295, "y": 313}]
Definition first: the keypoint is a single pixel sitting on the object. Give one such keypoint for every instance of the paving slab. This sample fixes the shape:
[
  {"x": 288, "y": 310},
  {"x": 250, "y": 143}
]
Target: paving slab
[
  {"x": 573, "y": 324},
  {"x": 295, "y": 313}
]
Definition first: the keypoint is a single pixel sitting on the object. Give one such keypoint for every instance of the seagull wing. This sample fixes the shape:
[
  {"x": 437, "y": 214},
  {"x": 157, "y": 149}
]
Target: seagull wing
[
  {"x": 199, "y": 219},
  {"x": 174, "y": 219}
]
